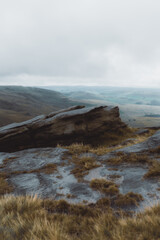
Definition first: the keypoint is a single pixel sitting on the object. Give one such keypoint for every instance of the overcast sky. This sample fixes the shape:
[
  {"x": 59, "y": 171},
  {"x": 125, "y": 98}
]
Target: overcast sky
[{"x": 80, "y": 42}]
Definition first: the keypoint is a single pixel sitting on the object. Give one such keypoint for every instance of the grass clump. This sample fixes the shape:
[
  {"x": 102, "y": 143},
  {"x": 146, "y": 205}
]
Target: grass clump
[
  {"x": 108, "y": 142},
  {"x": 154, "y": 170},
  {"x": 4, "y": 186},
  {"x": 104, "y": 186},
  {"x": 29, "y": 218},
  {"x": 155, "y": 150},
  {"x": 24, "y": 218},
  {"x": 129, "y": 199},
  {"x": 128, "y": 158},
  {"x": 114, "y": 176},
  {"x": 103, "y": 202},
  {"x": 143, "y": 226},
  {"x": 63, "y": 207},
  {"x": 47, "y": 169},
  {"x": 78, "y": 148},
  {"x": 83, "y": 165}
]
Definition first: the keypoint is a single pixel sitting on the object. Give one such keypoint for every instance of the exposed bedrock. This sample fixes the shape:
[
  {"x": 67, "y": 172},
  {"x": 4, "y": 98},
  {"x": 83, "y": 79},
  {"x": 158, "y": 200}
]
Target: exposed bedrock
[{"x": 75, "y": 124}]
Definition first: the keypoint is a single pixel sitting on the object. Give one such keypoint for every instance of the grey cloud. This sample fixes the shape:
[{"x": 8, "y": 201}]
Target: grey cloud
[{"x": 108, "y": 42}]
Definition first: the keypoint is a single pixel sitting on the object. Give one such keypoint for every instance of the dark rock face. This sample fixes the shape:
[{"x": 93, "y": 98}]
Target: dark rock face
[{"x": 75, "y": 124}]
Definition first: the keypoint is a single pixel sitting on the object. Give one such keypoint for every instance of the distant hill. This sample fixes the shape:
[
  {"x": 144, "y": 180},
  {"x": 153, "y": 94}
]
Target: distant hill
[
  {"x": 79, "y": 95},
  {"x": 139, "y": 107},
  {"x": 22, "y": 103}
]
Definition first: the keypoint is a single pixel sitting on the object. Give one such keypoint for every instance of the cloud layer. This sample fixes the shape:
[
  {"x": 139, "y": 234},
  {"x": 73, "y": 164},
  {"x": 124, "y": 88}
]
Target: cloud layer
[{"x": 104, "y": 42}]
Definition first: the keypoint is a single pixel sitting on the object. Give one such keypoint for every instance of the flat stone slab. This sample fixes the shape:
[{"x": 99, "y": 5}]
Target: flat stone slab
[{"x": 61, "y": 184}]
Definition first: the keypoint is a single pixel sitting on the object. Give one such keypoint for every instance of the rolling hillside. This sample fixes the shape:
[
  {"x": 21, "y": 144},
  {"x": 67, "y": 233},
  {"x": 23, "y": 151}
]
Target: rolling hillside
[{"x": 21, "y": 103}]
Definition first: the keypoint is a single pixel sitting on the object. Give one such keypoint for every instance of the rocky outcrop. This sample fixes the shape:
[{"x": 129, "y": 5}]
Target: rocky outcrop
[{"x": 75, "y": 124}]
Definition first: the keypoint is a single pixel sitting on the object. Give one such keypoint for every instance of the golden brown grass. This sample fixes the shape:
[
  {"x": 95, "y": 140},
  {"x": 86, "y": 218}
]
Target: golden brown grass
[
  {"x": 78, "y": 148},
  {"x": 155, "y": 150},
  {"x": 110, "y": 142},
  {"x": 128, "y": 199},
  {"x": 154, "y": 170},
  {"x": 47, "y": 169},
  {"x": 4, "y": 186},
  {"x": 114, "y": 176},
  {"x": 104, "y": 186},
  {"x": 27, "y": 218},
  {"x": 103, "y": 202},
  {"x": 143, "y": 226},
  {"x": 83, "y": 165},
  {"x": 129, "y": 158}
]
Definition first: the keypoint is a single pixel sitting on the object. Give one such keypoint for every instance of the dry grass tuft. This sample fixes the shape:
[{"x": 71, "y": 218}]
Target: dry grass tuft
[
  {"x": 62, "y": 206},
  {"x": 103, "y": 202},
  {"x": 114, "y": 176},
  {"x": 32, "y": 218},
  {"x": 4, "y": 186},
  {"x": 155, "y": 150},
  {"x": 143, "y": 226},
  {"x": 109, "y": 142},
  {"x": 104, "y": 186},
  {"x": 47, "y": 169},
  {"x": 24, "y": 218},
  {"x": 83, "y": 165},
  {"x": 78, "y": 148},
  {"x": 129, "y": 158},
  {"x": 129, "y": 199},
  {"x": 154, "y": 170}
]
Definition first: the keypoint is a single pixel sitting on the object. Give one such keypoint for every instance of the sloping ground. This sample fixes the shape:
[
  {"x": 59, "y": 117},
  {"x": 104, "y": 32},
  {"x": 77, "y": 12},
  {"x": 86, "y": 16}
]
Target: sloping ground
[{"x": 22, "y": 103}]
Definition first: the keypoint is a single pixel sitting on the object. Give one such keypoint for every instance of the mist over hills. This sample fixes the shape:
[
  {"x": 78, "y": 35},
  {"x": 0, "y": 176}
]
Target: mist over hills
[
  {"x": 19, "y": 103},
  {"x": 120, "y": 95},
  {"x": 139, "y": 107}
]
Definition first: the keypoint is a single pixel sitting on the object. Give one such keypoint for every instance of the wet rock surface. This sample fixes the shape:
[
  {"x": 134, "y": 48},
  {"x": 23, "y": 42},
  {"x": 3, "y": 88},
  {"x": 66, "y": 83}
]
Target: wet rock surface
[
  {"x": 62, "y": 184},
  {"x": 130, "y": 180},
  {"x": 56, "y": 185},
  {"x": 76, "y": 124}
]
